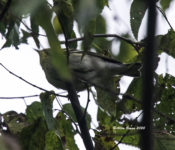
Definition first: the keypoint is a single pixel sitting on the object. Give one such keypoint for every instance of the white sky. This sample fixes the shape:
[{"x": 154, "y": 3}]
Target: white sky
[{"x": 25, "y": 63}]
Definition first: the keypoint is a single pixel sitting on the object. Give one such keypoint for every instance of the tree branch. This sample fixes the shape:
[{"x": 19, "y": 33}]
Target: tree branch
[
  {"x": 20, "y": 97},
  {"x": 126, "y": 133},
  {"x": 136, "y": 45},
  {"x": 88, "y": 101},
  {"x": 148, "y": 70},
  {"x": 164, "y": 15},
  {"x": 31, "y": 83},
  {"x": 80, "y": 117}
]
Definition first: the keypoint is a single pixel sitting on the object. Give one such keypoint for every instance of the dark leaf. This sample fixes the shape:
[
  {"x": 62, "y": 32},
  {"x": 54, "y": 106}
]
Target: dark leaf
[
  {"x": 32, "y": 137},
  {"x": 127, "y": 53},
  {"x": 34, "y": 112},
  {"x": 137, "y": 12},
  {"x": 35, "y": 31},
  {"x": 52, "y": 142},
  {"x": 47, "y": 102},
  {"x": 131, "y": 102},
  {"x": 165, "y": 4},
  {"x": 15, "y": 122},
  {"x": 69, "y": 111},
  {"x": 163, "y": 141},
  {"x": 66, "y": 131},
  {"x": 166, "y": 43}
]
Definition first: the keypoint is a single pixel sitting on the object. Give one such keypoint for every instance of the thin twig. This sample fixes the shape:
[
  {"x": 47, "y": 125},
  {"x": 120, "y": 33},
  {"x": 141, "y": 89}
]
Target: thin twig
[
  {"x": 61, "y": 106},
  {"x": 126, "y": 133},
  {"x": 19, "y": 97},
  {"x": 30, "y": 82},
  {"x": 134, "y": 44},
  {"x": 164, "y": 15},
  {"x": 24, "y": 102},
  {"x": 75, "y": 124},
  {"x": 88, "y": 101},
  {"x": 30, "y": 28},
  {"x": 164, "y": 116}
]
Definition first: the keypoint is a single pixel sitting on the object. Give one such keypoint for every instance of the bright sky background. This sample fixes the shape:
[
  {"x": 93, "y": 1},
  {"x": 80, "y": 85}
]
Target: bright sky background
[{"x": 25, "y": 62}]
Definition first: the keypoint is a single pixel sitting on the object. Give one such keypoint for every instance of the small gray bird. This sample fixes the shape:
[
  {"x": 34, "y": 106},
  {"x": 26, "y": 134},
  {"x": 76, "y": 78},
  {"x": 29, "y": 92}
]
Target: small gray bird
[{"x": 91, "y": 69}]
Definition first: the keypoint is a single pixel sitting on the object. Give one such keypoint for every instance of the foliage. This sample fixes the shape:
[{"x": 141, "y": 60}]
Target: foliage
[{"x": 38, "y": 129}]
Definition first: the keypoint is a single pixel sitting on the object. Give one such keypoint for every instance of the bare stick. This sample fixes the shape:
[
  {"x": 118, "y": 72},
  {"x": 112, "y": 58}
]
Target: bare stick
[
  {"x": 19, "y": 97},
  {"x": 88, "y": 101},
  {"x": 164, "y": 15},
  {"x": 136, "y": 45},
  {"x": 30, "y": 82}
]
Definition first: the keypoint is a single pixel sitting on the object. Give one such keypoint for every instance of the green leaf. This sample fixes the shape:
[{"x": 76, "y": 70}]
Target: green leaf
[
  {"x": 4, "y": 142},
  {"x": 104, "y": 141},
  {"x": 42, "y": 17},
  {"x": 165, "y": 4},
  {"x": 35, "y": 31},
  {"x": 26, "y": 35},
  {"x": 69, "y": 111},
  {"x": 12, "y": 36},
  {"x": 52, "y": 142},
  {"x": 107, "y": 100},
  {"x": 127, "y": 53},
  {"x": 25, "y": 7},
  {"x": 100, "y": 4},
  {"x": 32, "y": 137},
  {"x": 166, "y": 43},
  {"x": 2, "y": 28},
  {"x": 66, "y": 131},
  {"x": 164, "y": 98},
  {"x": 65, "y": 18},
  {"x": 15, "y": 122},
  {"x": 57, "y": 26},
  {"x": 132, "y": 138},
  {"x": 86, "y": 11},
  {"x": 164, "y": 141},
  {"x": 34, "y": 112},
  {"x": 47, "y": 102},
  {"x": 137, "y": 12},
  {"x": 134, "y": 90},
  {"x": 102, "y": 45},
  {"x": 111, "y": 130},
  {"x": 89, "y": 31},
  {"x": 100, "y": 24},
  {"x": 64, "y": 11},
  {"x": 103, "y": 117}
]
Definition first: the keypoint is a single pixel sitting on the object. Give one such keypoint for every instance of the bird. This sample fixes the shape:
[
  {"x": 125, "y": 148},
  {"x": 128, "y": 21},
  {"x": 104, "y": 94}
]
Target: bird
[{"x": 86, "y": 69}]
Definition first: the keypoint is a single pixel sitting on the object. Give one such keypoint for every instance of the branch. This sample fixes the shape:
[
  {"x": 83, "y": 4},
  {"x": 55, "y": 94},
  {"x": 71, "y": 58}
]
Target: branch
[
  {"x": 164, "y": 15},
  {"x": 34, "y": 33},
  {"x": 165, "y": 116},
  {"x": 75, "y": 102},
  {"x": 126, "y": 133},
  {"x": 19, "y": 97},
  {"x": 7, "y": 6},
  {"x": 40, "y": 88},
  {"x": 136, "y": 45},
  {"x": 148, "y": 74},
  {"x": 88, "y": 101},
  {"x": 61, "y": 106},
  {"x": 80, "y": 118}
]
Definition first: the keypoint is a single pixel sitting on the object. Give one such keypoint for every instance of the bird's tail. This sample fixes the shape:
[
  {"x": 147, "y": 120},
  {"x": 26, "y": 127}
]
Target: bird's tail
[{"x": 134, "y": 70}]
